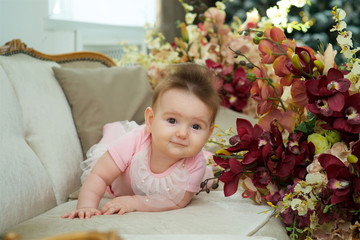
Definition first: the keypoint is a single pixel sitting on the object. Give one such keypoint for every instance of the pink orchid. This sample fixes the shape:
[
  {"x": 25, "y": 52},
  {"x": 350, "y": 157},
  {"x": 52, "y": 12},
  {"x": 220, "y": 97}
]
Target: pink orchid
[
  {"x": 250, "y": 190},
  {"x": 298, "y": 93},
  {"x": 276, "y": 46},
  {"x": 286, "y": 119},
  {"x": 215, "y": 15},
  {"x": 282, "y": 71},
  {"x": 261, "y": 92},
  {"x": 327, "y": 59}
]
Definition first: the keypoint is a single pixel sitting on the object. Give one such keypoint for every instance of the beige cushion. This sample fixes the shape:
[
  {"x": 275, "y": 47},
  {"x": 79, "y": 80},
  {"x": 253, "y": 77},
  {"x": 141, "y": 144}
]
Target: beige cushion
[{"x": 102, "y": 95}]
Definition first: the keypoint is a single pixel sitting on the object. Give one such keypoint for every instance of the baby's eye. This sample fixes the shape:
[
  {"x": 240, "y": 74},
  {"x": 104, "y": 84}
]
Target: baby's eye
[
  {"x": 196, "y": 127},
  {"x": 172, "y": 120}
]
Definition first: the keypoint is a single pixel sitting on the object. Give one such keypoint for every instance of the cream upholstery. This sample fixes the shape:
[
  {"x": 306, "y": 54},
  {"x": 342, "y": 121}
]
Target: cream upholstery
[
  {"x": 46, "y": 118},
  {"x": 24, "y": 180},
  {"x": 40, "y": 154},
  {"x": 211, "y": 214}
]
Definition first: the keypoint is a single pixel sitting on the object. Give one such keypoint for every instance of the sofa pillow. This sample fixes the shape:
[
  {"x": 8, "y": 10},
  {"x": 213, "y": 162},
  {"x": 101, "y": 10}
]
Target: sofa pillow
[{"x": 101, "y": 95}]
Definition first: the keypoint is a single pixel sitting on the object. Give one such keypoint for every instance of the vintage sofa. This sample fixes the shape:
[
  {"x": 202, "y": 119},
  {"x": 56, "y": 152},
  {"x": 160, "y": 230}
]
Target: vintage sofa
[{"x": 51, "y": 112}]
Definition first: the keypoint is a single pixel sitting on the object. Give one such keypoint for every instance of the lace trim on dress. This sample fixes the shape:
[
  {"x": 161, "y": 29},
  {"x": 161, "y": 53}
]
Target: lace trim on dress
[
  {"x": 93, "y": 155},
  {"x": 164, "y": 191},
  {"x": 97, "y": 150}
]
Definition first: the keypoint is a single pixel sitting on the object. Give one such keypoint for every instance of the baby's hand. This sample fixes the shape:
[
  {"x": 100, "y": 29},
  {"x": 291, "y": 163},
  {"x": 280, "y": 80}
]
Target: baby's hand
[
  {"x": 120, "y": 205},
  {"x": 82, "y": 213}
]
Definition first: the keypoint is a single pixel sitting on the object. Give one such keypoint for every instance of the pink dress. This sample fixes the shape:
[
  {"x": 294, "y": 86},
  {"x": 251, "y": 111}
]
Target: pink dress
[{"x": 130, "y": 147}]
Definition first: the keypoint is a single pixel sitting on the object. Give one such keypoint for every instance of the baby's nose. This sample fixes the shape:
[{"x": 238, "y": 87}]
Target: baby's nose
[{"x": 182, "y": 132}]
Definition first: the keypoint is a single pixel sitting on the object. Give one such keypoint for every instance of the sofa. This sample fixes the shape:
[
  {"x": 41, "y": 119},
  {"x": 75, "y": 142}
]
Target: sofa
[{"x": 52, "y": 111}]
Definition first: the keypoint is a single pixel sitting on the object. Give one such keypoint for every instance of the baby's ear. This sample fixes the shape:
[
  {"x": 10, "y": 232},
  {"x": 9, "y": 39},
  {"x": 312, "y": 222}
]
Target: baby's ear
[
  {"x": 211, "y": 130},
  {"x": 149, "y": 116}
]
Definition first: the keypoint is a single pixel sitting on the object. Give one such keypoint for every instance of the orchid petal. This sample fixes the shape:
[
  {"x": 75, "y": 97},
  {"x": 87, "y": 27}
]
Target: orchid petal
[
  {"x": 336, "y": 102},
  {"x": 243, "y": 126},
  {"x": 231, "y": 187}
]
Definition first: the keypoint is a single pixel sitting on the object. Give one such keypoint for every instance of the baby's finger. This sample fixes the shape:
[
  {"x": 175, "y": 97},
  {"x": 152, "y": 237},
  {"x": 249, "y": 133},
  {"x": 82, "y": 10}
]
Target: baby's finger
[
  {"x": 109, "y": 211},
  {"x": 72, "y": 214},
  {"x": 107, "y": 207},
  {"x": 81, "y": 214},
  {"x": 88, "y": 214},
  {"x": 104, "y": 208},
  {"x": 121, "y": 211}
]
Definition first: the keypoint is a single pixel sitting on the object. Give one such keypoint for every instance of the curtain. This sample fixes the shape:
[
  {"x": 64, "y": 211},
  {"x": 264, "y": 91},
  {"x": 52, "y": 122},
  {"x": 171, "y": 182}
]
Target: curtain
[{"x": 170, "y": 11}]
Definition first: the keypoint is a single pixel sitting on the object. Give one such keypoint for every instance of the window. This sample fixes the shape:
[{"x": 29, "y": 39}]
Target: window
[{"x": 111, "y": 12}]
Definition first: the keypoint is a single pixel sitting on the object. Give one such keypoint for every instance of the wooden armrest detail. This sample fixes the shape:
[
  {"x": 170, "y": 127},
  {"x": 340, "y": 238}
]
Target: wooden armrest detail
[{"x": 17, "y": 46}]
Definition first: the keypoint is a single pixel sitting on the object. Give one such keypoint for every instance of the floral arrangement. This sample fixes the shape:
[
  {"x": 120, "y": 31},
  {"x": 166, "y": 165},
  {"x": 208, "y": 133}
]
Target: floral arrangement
[
  {"x": 302, "y": 158},
  {"x": 206, "y": 43}
]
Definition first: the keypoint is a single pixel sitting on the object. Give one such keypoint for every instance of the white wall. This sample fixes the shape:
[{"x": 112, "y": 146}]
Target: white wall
[{"x": 28, "y": 21}]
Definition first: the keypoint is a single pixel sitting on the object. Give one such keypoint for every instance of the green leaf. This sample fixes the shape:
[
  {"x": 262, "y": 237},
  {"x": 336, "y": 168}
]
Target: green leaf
[
  {"x": 327, "y": 207},
  {"x": 302, "y": 128},
  {"x": 310, "y": 116},
  {"x": 310, "y": 123}
]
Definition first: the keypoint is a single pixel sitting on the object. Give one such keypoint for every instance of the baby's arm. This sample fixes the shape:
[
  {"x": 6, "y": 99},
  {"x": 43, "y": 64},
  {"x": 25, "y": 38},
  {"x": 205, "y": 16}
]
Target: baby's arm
[
  {"x": 126, "y": 204},
  {"x": 103, "y": 174}
]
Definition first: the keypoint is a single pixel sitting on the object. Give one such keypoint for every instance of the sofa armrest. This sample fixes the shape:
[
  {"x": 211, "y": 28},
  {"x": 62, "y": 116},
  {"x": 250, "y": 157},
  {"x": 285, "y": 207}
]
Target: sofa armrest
[{"x": 77, "y": 59}]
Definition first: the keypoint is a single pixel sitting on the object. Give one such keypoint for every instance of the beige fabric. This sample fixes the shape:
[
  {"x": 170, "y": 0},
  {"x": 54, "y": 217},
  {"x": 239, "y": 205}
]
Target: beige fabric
[
  {"x": 102, "y": 95},
  {"x": 26, "y": 187},
  {"x": 47, "y": 125},
  {"x": 226, "y": 119},
  {"x": 82, "y": 64},
  {"x": 207, "y": 214}
]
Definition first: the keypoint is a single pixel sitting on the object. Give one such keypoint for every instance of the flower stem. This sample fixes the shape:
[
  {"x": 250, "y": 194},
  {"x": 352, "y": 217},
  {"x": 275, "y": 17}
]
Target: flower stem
[
  {"x": 229, "y": 157},
  {"x": 269, "y": 80}
]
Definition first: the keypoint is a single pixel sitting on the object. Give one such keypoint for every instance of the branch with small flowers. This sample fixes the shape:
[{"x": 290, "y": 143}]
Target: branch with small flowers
[
  {"x": 302, "y": 157},
  {"x": 252, "y": 77}
]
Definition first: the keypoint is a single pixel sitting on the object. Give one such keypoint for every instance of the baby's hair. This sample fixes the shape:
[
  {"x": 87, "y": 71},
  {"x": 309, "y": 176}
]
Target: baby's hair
[{"x": 194, "y": 78}]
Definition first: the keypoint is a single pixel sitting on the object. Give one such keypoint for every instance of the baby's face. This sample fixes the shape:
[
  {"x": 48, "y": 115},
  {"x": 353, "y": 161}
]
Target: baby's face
[{"x": 181, "y": 124}]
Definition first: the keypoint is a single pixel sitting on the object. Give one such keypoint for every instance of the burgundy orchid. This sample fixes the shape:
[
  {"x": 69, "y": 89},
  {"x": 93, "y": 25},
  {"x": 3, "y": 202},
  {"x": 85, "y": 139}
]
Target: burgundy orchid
[
  {"x": 238, "y": 90},
  {"x": 327, "y": 94},
  {"x": 328, "y": 85},
  {"x": 231, "y": 175},
  {"x": 301, "y": 152},
  {"x": 339, "y": 178},
  {"x": 253, "y": 140},
  {"x": 349, "y": 122},
  {"x": 232, "y": 85}
]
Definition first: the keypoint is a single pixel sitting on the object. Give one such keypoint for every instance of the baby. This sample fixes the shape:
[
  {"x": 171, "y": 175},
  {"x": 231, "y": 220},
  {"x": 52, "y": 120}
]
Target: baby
[{"x": 157, "y": 166}]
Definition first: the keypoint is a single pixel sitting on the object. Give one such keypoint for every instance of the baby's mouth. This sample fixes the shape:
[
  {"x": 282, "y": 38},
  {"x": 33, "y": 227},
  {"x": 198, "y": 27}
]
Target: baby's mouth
[{"x": 181, "y": 144}]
